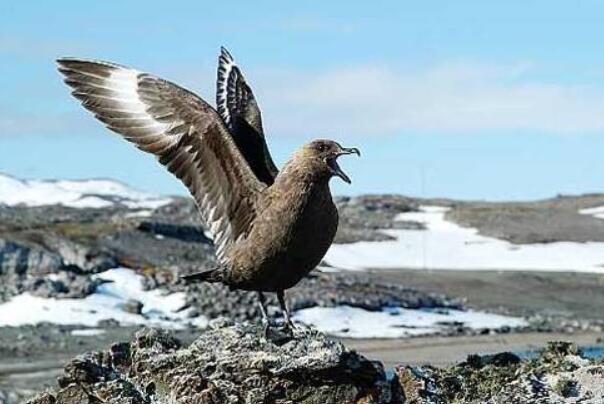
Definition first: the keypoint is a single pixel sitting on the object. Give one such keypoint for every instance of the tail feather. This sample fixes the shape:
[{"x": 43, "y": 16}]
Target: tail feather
[{"x": 203, "y": 276}]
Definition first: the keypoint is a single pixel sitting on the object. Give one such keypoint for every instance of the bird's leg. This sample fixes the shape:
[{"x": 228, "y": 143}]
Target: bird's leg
[
  {"x": 288, "y": 321},
  {"x": 265, "y": 320}
]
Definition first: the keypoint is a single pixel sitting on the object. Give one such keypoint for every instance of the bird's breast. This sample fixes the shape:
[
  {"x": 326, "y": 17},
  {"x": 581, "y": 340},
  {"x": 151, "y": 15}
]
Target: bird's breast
[{"x": 289, "y": 238}]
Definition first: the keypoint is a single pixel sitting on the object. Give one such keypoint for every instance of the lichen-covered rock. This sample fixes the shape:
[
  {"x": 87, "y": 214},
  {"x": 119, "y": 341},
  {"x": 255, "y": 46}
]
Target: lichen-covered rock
[
  {"x": 226, "y": 364},
  {"x": 235, "y": 363},
  {"x": 558, "y": 375}
]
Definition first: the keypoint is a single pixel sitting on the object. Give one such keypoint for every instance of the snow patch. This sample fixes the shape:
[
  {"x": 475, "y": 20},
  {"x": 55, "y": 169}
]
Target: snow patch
[
  {"x": 597, "y": 212},
  {"x": 75, "y": 194},
  {"x": 398, "y": 322},
  {"x": 139, "y": 213},
  {"x": 106, "y": 303},
  {"x": 87, "y": 332},
  {"x": 446, "y": 245}
]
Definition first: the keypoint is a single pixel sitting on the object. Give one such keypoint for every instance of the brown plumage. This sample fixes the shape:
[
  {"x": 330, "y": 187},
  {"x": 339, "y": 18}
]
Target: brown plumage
[{"x": 270, "y": 228}]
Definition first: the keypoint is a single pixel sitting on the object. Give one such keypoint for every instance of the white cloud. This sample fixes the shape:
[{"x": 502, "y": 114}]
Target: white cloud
[
  {"x": 377, "y": 100},
  {"x": 449, "y": 98}
]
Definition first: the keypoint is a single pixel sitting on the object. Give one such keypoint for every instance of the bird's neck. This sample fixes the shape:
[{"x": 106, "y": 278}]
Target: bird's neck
[{"x": 303, "y": 175}]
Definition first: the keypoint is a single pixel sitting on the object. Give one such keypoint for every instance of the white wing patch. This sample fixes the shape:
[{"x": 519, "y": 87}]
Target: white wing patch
[
  {"x": 129, "y": 103},
  {"x": 110, "y": 91},
  {"x": 227, "y": 77}
]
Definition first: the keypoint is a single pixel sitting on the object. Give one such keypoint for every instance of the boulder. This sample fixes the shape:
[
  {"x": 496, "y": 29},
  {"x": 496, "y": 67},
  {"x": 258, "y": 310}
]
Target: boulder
[
  {"x": 63, "y": 285},
  {"x": 237, "y": 363},
  {"x": 133, "y": 306},
  {"x": 558, "y": 374},
  {"x": 228, "y": 363}
]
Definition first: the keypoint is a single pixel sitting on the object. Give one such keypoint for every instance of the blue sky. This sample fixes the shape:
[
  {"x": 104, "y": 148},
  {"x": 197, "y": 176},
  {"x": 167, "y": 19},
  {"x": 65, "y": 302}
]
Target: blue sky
[{"x": 466, "y": 99}]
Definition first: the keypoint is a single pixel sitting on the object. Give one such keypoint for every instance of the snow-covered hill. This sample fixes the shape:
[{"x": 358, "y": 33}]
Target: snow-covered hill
[{"x": 94, "y": 193}]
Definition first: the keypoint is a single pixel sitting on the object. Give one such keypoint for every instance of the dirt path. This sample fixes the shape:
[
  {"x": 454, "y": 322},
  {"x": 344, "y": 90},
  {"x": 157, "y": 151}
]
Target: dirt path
[{"x": 30, "y": 375}]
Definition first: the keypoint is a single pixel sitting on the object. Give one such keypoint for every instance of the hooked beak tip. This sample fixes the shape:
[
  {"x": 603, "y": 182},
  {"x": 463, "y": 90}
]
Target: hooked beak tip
[{"x": 352, "y": 150}]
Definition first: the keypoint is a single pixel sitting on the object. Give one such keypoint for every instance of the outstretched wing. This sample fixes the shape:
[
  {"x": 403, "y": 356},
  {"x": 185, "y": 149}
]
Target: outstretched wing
[
  {"x": 183, "y": 131},
  {"x": 238, "y": 108}
]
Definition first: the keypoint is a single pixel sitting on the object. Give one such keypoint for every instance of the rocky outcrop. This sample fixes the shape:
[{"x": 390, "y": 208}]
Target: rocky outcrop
[
  {"x": 559, "y": 374},
  {"x": 26, "y": 263},
  {"x": 226, "y": 364},
  {"x": 65, "y": 285},
  {"x": 236, "y": 363}
]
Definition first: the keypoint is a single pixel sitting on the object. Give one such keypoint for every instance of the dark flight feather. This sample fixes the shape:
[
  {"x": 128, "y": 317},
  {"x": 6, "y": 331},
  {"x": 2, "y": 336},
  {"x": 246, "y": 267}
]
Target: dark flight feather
[{"x": 238, "y": 108}]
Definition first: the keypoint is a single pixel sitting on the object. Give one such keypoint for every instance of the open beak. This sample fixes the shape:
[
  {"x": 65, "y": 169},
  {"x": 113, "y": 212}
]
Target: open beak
[{"x": 335, "y": 167}]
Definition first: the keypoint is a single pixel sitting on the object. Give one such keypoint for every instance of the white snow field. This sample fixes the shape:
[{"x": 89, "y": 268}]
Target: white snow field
[
  {"x": 446, "y": 245},
  {"x": 75, "y": 194},
  {"x": 397, "y": 322},
  {"x": 106, "y": 303},
  {"x": 597, "y": 212}
]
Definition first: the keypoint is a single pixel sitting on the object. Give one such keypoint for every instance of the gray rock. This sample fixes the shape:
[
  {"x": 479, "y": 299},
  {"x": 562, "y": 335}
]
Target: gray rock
[
  {"x": 35, "y": 241},
  {"x": 18, "y": 258},
  {"x": 235, "y": 363},
  {"x": 65, "y": 285},
  {"x": 44, "y": 287},
  {"x": 132, "y": 306},
  {"x": 558, "y": 375},
  {"x": 226, "y": 364},
  {"x": 26, "y": 259}
]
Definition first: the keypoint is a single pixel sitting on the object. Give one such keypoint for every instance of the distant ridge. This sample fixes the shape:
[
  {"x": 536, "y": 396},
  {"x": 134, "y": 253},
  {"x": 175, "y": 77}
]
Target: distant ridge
[{"x": 92, "y": 193}]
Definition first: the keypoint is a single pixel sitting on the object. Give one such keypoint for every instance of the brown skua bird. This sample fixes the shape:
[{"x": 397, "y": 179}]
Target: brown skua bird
[{"x": 270, "y": 228}]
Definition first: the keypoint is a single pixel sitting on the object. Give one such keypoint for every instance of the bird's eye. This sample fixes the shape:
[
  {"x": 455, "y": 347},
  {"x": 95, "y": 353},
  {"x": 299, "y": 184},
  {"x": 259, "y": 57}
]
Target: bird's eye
[{"x": 322, "y": 147}]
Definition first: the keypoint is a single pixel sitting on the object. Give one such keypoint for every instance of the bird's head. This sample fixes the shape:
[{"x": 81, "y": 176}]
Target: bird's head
[{"x": 324, "y": 155}]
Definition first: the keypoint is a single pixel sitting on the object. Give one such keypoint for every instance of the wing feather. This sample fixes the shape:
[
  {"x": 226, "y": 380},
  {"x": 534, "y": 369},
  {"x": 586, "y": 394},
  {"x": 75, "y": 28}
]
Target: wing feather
[
  {"x": 238, "y": 108},
  {"x": 182, "y": 131}
]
